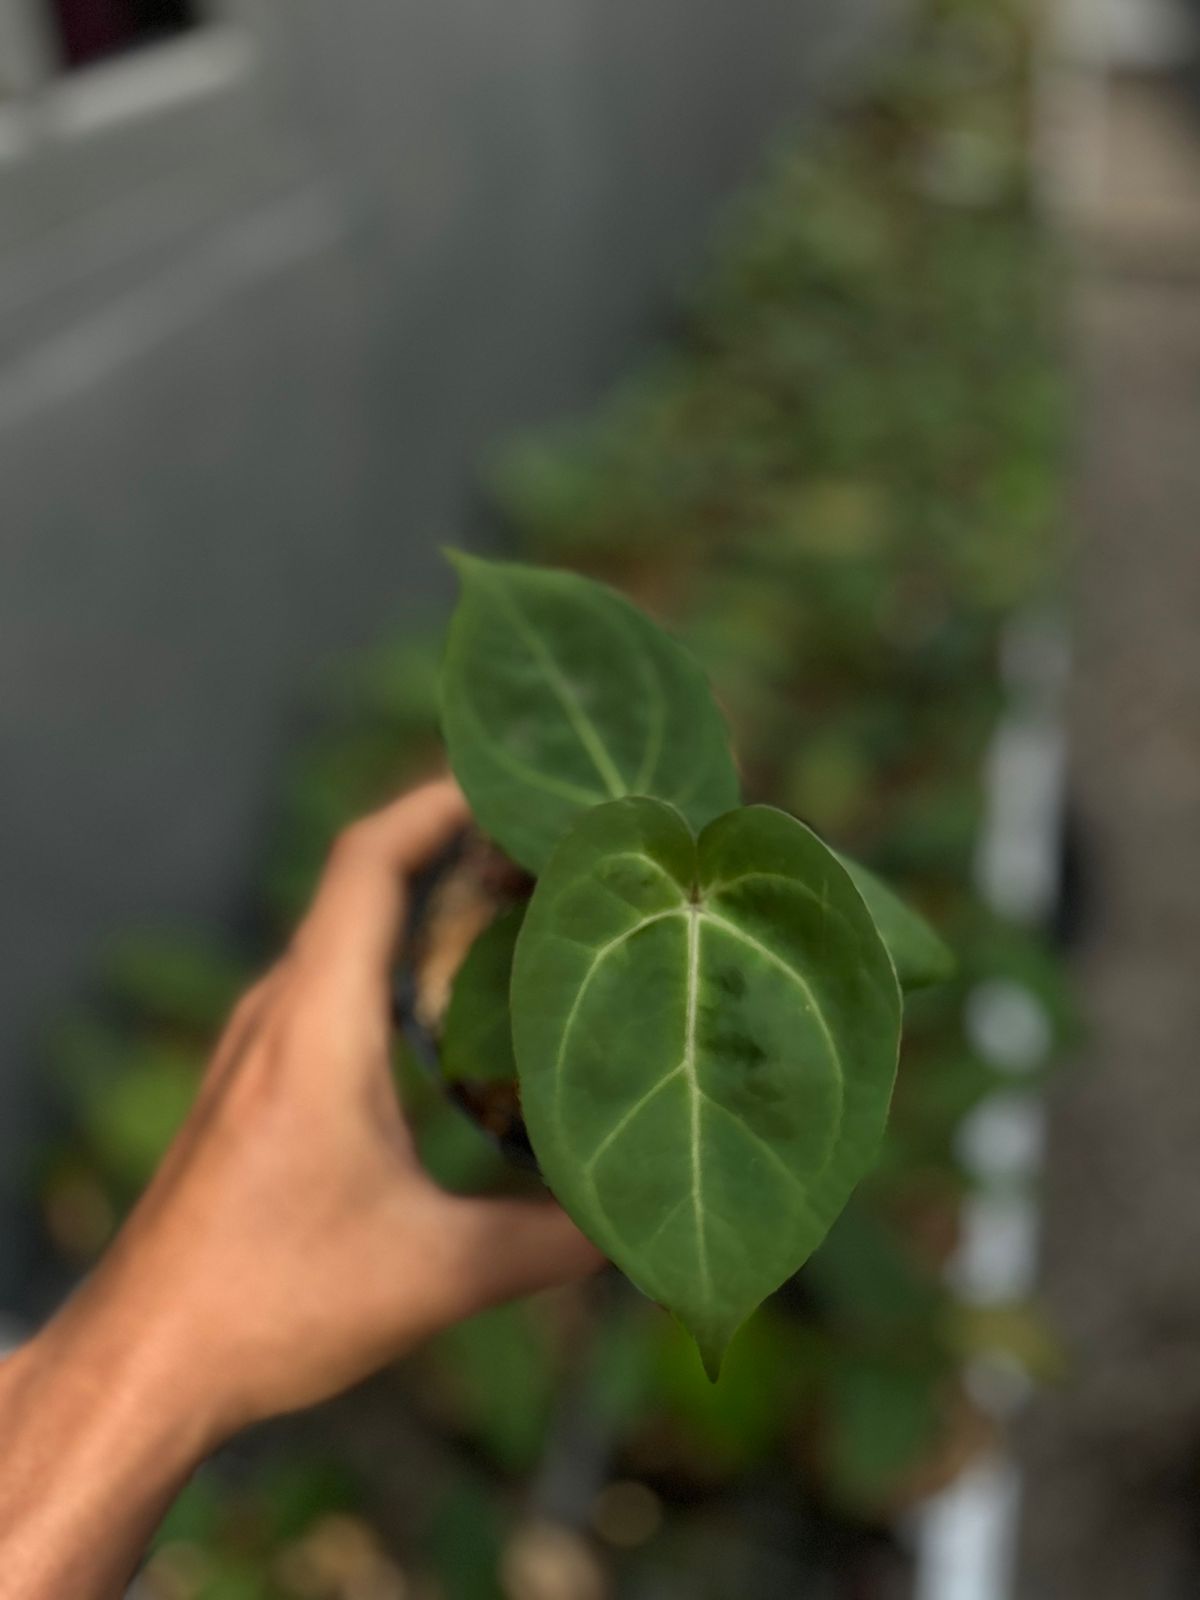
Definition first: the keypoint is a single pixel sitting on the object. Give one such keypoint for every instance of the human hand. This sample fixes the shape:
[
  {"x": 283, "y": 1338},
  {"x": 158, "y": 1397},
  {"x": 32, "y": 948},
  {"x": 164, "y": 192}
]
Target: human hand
[{"x": 291, "y": 1242}]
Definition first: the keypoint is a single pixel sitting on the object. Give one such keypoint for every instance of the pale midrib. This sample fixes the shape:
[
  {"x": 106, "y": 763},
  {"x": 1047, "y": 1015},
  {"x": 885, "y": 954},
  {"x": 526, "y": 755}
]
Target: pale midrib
[
  {"x": 585, "y": 730},
  {"x": 689, "y": 1070}
]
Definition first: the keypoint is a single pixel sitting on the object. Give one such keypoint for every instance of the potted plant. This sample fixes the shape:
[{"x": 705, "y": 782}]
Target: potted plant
[{"x": 695, "y": 1003}]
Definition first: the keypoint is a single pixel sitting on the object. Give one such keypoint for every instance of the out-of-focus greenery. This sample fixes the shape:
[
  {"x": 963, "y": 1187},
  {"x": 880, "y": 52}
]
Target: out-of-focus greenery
[{"x": 838, "y": 481}]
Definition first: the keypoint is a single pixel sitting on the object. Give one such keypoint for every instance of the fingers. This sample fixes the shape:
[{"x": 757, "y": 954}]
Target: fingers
[{"x": 357, "y": 918}]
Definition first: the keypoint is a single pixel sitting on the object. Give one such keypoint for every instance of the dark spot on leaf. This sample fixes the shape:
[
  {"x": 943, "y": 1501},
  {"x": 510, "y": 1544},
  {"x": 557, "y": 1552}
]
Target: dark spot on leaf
[
  {"x": 739, "y": 1049},
  {"x": 730, "y": 981}
]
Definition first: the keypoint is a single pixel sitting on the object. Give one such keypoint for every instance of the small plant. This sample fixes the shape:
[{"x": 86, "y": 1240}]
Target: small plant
[{"x": 701, "y": 1001}]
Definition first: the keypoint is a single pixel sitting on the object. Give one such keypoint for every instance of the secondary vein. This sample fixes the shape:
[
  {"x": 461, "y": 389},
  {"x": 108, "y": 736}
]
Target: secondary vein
[
  {"x": 627, "y": 1117},
  {"x": 597, "y": 962},
  {"x": 797, "y": 977},
  {"x": 585, "y": 730}
]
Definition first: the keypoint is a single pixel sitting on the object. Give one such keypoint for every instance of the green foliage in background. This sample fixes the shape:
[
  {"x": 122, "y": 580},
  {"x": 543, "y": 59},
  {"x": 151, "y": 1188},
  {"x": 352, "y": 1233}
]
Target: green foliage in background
[{"x": 836, "y": 483}]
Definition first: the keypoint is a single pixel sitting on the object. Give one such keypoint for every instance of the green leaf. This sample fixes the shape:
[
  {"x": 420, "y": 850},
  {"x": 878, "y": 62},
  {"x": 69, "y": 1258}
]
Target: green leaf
[
  {"x": 919, "y": 956},
  {"x": 558, "y": 695},
  {"x": 885, "y": 1413},
  {"x": 466, "y": 1538},
  {"x": 503, "y": 1377},
  {"x": 181, "y": 980},
  {"x": 738, "y": 1422},
  {"x": 706, "y": 1033},
  {"x": 130, "y": 1122},
  {"x": 476, "y": 1043}
]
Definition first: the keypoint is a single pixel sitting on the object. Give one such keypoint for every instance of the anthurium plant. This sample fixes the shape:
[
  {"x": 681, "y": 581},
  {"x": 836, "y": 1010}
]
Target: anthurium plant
[{"x": 701, "y": 1001}]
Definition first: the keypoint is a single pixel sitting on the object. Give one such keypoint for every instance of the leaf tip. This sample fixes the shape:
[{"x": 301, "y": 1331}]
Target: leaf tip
[
  {"x": 712, "y": 1355},
  {"x": 943, "y": 962},
  {"x": 937, "y": 963}
]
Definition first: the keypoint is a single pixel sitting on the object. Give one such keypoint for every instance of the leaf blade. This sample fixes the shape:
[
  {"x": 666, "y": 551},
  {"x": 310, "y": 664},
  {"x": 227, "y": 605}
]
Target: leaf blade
[
  {"x": 476, "y": 1041},
  {"x": 920, "y": 956},
  {"x": 558, "y": 694},
  {"x": 701, "y": 1093}
]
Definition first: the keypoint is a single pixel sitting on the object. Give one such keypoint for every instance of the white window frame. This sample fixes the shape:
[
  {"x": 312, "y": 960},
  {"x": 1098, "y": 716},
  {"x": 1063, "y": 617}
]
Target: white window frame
[{"x": 40, "y": 103}]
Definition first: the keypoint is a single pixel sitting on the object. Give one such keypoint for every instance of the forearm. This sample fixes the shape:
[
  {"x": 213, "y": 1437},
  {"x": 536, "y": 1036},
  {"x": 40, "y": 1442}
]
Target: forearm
[{"x": 98, "y": 1432}]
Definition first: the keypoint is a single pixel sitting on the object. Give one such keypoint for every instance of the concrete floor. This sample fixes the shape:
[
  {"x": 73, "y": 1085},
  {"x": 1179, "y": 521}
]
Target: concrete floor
[{"x": 1113, "y": 1459}]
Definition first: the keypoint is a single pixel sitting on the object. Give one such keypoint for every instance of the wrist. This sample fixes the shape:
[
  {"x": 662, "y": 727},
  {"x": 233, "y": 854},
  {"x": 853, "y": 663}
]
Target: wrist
[
  {"x": 98, "y": 1438},
  {"x": 123, "y": 1383}
]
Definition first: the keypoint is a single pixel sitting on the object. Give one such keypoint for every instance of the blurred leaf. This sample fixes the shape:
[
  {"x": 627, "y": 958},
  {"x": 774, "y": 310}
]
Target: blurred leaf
[
  {"x": 453, "y": 1148},
  {"x": 176, "y": 979},
  {"x": 130, "y": 1122},
  {"x": 296, "y": 1493},
  {"x": 476, "y": 1042},
  {"x": 502, "y": 1378},
  {"x": 738, "y": 1420},
  {"x": 868, "y": 1282},
  {"x": 394, "y": 683},
  {"x": 195, "y": 1515},
  {"x": 919, "y": 956},
  {"x": 464, "y": 1543},
  {"x": 883, "y": 1416},
  {"x": 620, "y": 1377}
]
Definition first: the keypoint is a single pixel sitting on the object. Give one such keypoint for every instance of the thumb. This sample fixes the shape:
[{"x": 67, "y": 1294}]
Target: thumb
[{"x": 509, "y": 1248}]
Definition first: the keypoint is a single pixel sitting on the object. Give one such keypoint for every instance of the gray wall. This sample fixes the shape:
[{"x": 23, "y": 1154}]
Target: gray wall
[{"x": 250, "y": 346}]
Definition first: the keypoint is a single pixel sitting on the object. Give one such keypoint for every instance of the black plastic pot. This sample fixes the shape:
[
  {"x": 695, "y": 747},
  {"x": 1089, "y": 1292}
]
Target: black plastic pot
[{"x": 513, "y": 1142}]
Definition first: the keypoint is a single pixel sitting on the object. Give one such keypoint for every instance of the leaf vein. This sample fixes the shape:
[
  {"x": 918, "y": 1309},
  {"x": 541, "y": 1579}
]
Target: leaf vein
[
  {"x": 793, "y": 1178},
  {"x": 802, "y": 983},
  {"x": 689, "y": 1068},
  {"x": 584, "y": 728},
  {"x": 563, "y": 787},
  {"x": 596, "y": 963},
  {"x": 627, "y": 1117}
]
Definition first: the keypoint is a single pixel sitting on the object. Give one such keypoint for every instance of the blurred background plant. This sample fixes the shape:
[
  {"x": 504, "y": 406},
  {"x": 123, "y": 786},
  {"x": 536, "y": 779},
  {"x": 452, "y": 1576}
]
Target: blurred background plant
[{"x": 838, "y": 478}]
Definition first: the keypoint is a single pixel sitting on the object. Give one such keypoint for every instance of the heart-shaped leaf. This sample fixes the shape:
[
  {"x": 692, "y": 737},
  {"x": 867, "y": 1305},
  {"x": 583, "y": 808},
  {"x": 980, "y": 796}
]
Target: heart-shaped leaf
[
  {"x": 918, "y": 954},
  {"x": 476, "y": 1043},
  {"x": 558, "y": 694},
  {"x": 706, "y": 1034}
]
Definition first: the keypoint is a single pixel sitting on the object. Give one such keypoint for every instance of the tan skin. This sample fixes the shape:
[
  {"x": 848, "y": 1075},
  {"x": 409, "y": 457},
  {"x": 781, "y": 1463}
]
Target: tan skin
[{"x": 289, "y": 1245}]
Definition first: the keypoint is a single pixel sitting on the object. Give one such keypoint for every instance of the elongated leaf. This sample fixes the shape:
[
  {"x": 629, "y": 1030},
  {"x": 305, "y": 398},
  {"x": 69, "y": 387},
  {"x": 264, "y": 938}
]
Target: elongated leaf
[
  {"x": 919, "y": 956},
  {"x": 706, "y": 1034},
  {"x": 476, "y": 1043},
  {"x": 558, "y": 694}
]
